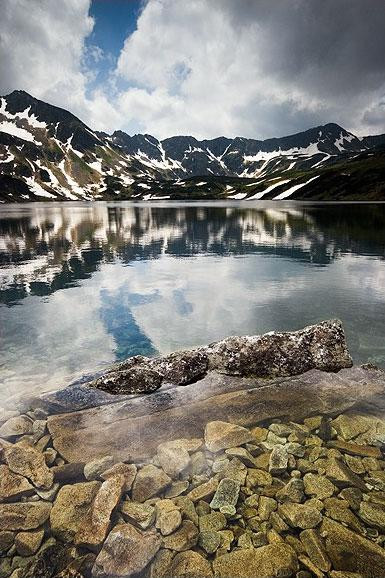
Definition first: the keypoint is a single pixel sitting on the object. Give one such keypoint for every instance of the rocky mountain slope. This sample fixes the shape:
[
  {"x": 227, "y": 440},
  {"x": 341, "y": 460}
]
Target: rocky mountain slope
[{"x": 46, "y": 153}]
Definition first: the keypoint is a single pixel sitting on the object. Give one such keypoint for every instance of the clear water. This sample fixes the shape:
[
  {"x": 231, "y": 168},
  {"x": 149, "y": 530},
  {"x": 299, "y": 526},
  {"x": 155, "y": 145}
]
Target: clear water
[{"x": 82, "y": 285}]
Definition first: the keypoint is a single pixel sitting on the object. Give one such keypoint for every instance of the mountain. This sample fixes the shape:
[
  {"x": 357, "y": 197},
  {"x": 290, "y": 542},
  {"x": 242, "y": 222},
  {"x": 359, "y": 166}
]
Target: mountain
[{"x": 47, "y": 153}]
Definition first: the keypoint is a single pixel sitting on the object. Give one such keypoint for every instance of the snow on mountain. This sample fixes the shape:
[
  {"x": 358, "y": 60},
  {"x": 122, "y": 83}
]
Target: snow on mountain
[{"x": 48, "y": 153}]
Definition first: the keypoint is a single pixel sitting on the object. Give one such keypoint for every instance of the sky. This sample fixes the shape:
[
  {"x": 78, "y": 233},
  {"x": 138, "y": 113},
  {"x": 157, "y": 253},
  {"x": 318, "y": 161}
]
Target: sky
[{"x": 252, "y": 68}]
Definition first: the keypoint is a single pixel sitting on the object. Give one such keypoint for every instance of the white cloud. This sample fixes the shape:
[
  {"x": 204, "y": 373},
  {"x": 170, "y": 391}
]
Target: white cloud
[{"x": 205, "y": 67}]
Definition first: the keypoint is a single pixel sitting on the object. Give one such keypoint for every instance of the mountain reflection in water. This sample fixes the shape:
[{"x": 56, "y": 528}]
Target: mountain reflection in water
[{"x": 154, "y": 278}]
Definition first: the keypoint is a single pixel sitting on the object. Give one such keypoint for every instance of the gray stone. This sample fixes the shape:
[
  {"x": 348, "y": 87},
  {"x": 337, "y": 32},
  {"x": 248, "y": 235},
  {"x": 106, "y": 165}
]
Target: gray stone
[
  {"x": 140, "y": 379},
  {"x": 16, "y": 426},
  {"x": 226, "y": 494},
  {"x": 278, "y": 460},
  {"x": 209, "y": 541},
  {"x": 293, "y": 491},
  {"x": 181, "y": 367},
  {"x": 173, "y": 458}
]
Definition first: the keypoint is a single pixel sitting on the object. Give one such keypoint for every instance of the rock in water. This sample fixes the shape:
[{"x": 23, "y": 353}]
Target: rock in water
[
  {"x": 138, "y": 379},
  {"x": 192, "y": 564},
  {"x": 322, "y": 346},
  {"x": 28, "y": 462},
  {"x": 12, "y": 485},
  {"x": 271, "y": 560},
  {"x": 220, "y": 435},
  {"x": 72, "y": 509},
  {"x": 125, "y": 552},
  {"x": 226, "y": 495},
  {"x": 27, "y": 516},
  {"x": 149, "y": 481}
]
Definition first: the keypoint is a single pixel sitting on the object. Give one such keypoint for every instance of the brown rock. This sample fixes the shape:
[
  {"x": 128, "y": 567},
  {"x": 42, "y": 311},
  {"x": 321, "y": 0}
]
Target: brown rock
[
  {"x": 373, "y": 515},
  {"x": 203, "y": 491},
  {"x": 356, "y": 449},
  {"x": 16, "y": 426},
  {"x": 6, "y": 540},
  {"x": 343, "y": 476},
  {"x": 267, "y": 561},
  {"x": 72, "y": 509},
  {"x": 30, "y": 463},
  {"x": 141, "y": 515},
  {"x": 220, "y": 435},
  {"x": 184, "y": 538},
  {"x": 339, "y": 510},
  {"x": 129, "y": 472},
  {"x": 318, "y": 486},
  {"x": 125, "y": 552},
  {"x": 315, "y": 549},
  {"x": 173, "y": 458},
  {"x": 28, "y": 543},
  {"x": 352, "y": 552},
  {"x": 149, "y": 482},
  {"x": 12, "y": 485},
  {"x": 190, "y": 564},
  {"x": 96, "y": 525},
  {"x": 160, "y": 566},
  {"x": 300, "y": 515},
  {"x": 25, "y": 516}
]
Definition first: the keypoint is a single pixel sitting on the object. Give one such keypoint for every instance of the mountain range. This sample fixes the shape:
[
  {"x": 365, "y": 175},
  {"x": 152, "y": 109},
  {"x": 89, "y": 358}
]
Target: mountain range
[{"x": 47, "y": 153}]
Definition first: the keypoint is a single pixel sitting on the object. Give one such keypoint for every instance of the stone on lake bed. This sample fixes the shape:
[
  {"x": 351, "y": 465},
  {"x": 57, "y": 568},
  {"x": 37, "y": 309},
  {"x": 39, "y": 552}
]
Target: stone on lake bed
[
  {"x": 149, "y": 482},
  {"x": 373, "y": 515},
  {"x": 220, "y": 435},
  {"x": 278, "y": 460},
  {"x": 300, "y": 515},
  {"x": 94, "y": 469},
  {"x": 185, "y": 538},
  {"x": 30, "y": 463},
  {"x": 267, "y": 561},
  {"x": 27, "y": 543},
  {"x": 142, "y": 515},
  {"x": 24, "y": 516},
  {"x": 173, "y": 458},
  {"x": 129, "y": 472},
  {"x": 16, "y": 426},
  {"x": 190, "y": 564},
  {"x": 226, "y": 494},
  {"x": 125, "y": 552},
  {"x": 318, "y": 486},
  {"x": 12, "y": 485}
]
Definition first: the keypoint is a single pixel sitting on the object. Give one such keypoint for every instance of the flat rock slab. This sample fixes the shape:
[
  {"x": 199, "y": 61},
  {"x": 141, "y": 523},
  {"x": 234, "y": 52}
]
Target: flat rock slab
[{"x": 131, "y": 430}]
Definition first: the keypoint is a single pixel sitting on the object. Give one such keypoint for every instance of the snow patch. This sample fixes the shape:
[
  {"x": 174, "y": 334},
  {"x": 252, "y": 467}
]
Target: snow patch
[
  {"x": 292, "y": 190},
  {"x": 265, "y": 191}
]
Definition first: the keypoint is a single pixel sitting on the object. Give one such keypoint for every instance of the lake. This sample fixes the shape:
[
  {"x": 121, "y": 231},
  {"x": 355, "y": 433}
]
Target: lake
[{"x": 85, "y": 284}]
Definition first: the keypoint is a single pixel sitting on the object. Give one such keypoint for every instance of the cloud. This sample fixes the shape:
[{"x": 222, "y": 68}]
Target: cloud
[{"x": 251, "y": 68}]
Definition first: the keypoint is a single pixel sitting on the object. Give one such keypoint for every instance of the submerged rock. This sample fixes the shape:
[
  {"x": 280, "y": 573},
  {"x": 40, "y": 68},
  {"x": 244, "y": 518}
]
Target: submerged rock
[
  {"x": 24, "y": 516},
  {"x": 125, "y": 552},
  {"x": 220, "y": 435},
  {"x": 30, "y": 463},
  {"x": 149, "y": 481},
  {"x": 271, "y": 560}
]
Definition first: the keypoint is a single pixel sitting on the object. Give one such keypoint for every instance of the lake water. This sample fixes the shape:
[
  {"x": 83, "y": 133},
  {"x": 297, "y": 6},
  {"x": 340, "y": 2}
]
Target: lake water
[{"x": 82, "y": 284}]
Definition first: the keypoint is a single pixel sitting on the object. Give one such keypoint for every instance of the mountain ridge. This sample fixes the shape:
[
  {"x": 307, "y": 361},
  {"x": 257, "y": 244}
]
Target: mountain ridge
[{"x": 46, "y": 152}]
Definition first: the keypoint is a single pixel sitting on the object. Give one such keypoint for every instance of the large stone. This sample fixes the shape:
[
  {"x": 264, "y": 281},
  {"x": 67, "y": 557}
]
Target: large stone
[
  {"x": 268, "y": 561},
  {"x": 356, "y": 449},
  {"x": 350, "y": 426},
  {"x": 16, "y": 426},
  {"x": 133, "y": 428},
  {"x": 6, "y": 540},
  {"x": 96, "y": 524},
  {"x": 125, "y": 552},
  {"x": 293, "y": 491},
  {"x": 220, "y": 435},
  {"x": 24, "y": 516},
  {"x": 322, "y": 346},
  {"x": 342, "y": 476},
  {"x": 203, "y": 491},
  {"x": 94, "y": 469},
  {"x": 12, "y": 485},
  {"x": 226, "y": 494},
  {"x": 185, "y": 538},
  {"x": 128, "y": 471},
  {"x": 373, "y": 515},
  {"x": 212, "y": 522},
  {"x": 140, "y": 379},
  {"x": 149, "y": 482},
  {"x": 141, "y": 515},
  {"x": 352, "y": 552},
  {"x": 318, "y": 486},
  {"x": 173, "y": 458},
  {"x": 339, "y": 510},
  {"x": 28, "y": 543},
  {"x": 30, "y": 463},
  {"x": 182, "y": 367},
  {"x": 72, "y": 509},
  {"x": 300, "y": 515},
  {"x": 315, "y": 549},
  {"x": 190, "y": 564}
]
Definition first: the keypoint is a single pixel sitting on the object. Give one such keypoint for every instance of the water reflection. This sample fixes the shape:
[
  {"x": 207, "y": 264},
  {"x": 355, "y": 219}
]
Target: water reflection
[{"x": 147, "y": 279}]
